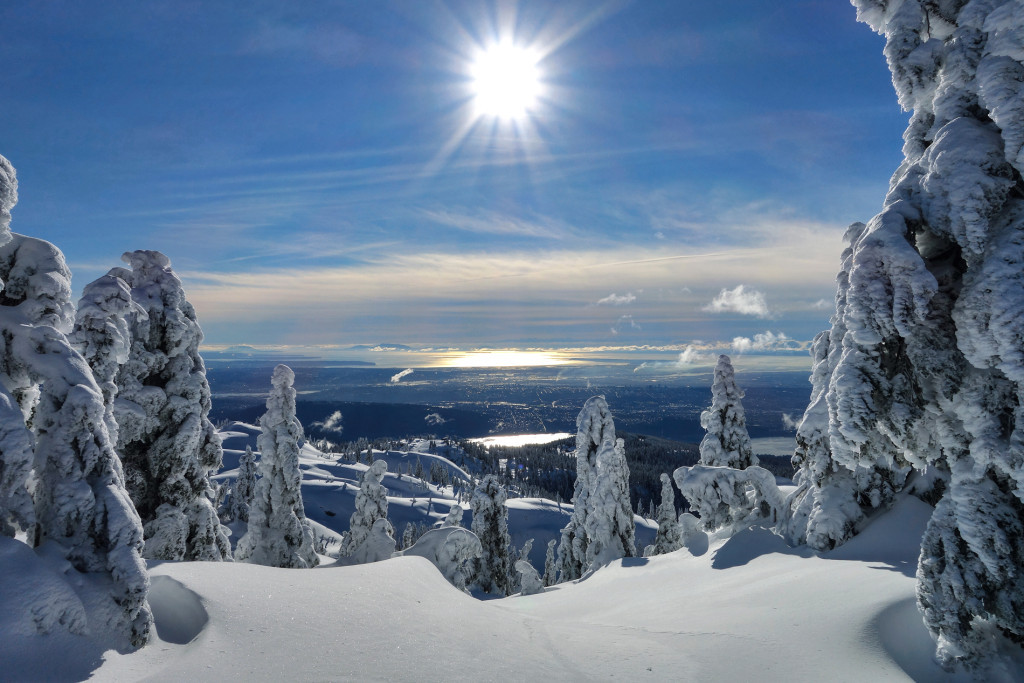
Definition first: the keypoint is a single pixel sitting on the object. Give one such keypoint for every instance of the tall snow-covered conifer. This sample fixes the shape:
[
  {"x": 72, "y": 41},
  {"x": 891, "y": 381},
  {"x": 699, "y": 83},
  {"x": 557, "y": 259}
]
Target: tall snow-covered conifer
[
  {"x": 279, "y": 534},
  {"x": 670, "y": 534},
  {"x": 77, "y": 499},
  {"x": 727, "y": 443},
  {"x": 602, "y": 489},
  {"x": 366, "y": 541},
  {"x": 490, "y": 524},
  {"x": 102, "y": 334},
  {"x": 925, "y": 361},
  {"x": 245, "y": 486},
  {"x": 829, "y": 504},
  {"x": 594, "y": 426},
  {"x": 609, "y": 524},
  {"x": 167, "y": 443}
]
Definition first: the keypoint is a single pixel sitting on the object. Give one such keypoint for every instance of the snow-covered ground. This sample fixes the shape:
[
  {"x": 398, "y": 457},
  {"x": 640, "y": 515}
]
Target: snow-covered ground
[
  {"x": 749, "y": 608},
  {"x": 741, "y": 608}
]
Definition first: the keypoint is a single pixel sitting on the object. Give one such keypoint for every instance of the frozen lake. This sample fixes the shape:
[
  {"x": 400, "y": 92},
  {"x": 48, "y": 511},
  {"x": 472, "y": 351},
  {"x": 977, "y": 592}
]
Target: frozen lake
[{"x": 520, "y": 439}]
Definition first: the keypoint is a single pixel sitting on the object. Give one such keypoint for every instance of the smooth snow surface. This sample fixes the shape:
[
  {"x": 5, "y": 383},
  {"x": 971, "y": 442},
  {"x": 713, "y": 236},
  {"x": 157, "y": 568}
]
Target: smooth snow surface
[{"x": 749, "y": 609}]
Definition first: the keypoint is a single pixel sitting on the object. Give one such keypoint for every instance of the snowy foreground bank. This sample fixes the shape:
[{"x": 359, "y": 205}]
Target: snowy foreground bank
[{"x": 749, "y": 608}]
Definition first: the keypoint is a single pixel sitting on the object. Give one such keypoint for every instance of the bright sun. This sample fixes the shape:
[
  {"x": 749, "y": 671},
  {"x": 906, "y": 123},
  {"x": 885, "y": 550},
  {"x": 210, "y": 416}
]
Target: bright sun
[{"x": 506, "y": 81}]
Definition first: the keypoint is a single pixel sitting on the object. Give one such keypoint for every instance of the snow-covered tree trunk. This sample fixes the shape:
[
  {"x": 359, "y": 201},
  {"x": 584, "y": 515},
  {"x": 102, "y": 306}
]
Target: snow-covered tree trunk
[
  {"x": 279, "y": 534},
  {"x": 670, "y": 534},
  {"x": 925, "y": 359},
  {"x": 77, "y": 498},
  {"x": 371, "y": 505},
  {"x": 727, "y": 443},
  {"x": 167, "y": 443},
  {"x": 245, "y": 486},
  {"x": 594, "y": 426},
  {"x": 490, "y": 524}
]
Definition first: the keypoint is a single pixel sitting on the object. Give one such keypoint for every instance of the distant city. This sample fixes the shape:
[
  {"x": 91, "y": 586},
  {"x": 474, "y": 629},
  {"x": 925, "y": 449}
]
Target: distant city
[{"x": 376, "y": 402}]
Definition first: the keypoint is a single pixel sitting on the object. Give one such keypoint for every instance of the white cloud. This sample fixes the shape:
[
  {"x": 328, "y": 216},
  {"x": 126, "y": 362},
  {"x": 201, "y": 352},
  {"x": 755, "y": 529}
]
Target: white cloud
[
  {"x": 789, "y": 422},
  {"x": 490, "y": 223},
  {"x": 331, "y": 423},
  {"x": 434, "y": 419},
  {"x": 395, "y": 379},
  {"x": 475, "y": 297},
  {"x": 822, "y": 304},
  {"x": 625, "y": 322},
  {"x": 691, "y": 356},
  {"x": 739, "y": 300},
  {"x": 617, "y": 300},
  {"x": 761, "y": 342}
]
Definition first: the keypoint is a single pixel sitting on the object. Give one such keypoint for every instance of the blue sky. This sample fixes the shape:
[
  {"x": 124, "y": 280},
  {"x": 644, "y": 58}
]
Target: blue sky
[{"x": 315, "y": 173}]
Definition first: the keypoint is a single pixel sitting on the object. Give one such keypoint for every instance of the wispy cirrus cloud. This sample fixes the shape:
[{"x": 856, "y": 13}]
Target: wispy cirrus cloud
[{"x": 493, "y": 223}]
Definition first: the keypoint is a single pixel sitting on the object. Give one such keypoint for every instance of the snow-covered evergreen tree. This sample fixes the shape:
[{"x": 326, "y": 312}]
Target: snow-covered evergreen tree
[
  {"x": 371, "y": 505},
  {"x": 408, "y": 535},
  {"x": 167, "y": 444},
  {"x": 925, "y": 360},
  {"x": 453, "y": 550},
  {"x": 609, "y": 523},
  {"x": 594, "y": 428},
  {"x": 724, "y": 496},
  {"x": 529, "y": 580},
  {"x": 279, "y": 534},
  {"x": 77, "y": 497},
  {"x": 490, "y": 524},
  {"x": 670, "y": 534},
  {"x": 550, "y": 565},
  {"x": 829, "y": 503},
  {"x": 102, "y": 334},
  {"x": 245, "y": 486},
  {"x": 727, "y": 443},
  {"x": 454, "y": 518}
]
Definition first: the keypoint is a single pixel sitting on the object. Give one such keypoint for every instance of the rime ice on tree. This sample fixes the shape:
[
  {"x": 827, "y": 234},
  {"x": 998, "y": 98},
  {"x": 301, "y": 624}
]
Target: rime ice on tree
[
  {"x": 102, "y": 334},
  {"x": 166, "y": 441},
  {"x": 77, "y": 497},
  {"x": 670, "y": 534},
  {"x": 490, "y": 524},
  {"x": 727, "y": 443},
  {"x": 366, "y": 540},
  {"x": 602, "y": 486},
  {"x": 279, "y": 534},
  {"x": 453, "y": 550},
  {"x": 925, "y": 359},
  {"x": 609, "y": 523},
  {"x": 245, "y": 486}
]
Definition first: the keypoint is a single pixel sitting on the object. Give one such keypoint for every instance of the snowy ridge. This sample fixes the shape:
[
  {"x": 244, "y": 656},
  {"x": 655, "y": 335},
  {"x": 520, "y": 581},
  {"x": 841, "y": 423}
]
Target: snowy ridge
[{"x": 734, "y": 612}]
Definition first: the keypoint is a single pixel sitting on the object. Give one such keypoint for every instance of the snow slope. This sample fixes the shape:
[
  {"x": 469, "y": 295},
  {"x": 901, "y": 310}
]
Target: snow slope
[
  {"x": 329, "y": 486},
  {"x": 741, "y": 608},
  {"x": 748, "y": 609}
]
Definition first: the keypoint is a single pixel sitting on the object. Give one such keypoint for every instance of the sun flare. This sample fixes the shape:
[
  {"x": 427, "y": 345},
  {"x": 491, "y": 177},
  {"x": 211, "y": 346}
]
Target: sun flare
[{"x": 506, "y": 81}]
